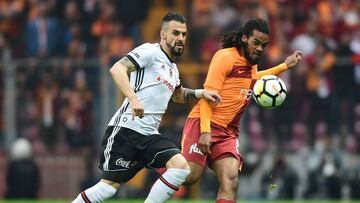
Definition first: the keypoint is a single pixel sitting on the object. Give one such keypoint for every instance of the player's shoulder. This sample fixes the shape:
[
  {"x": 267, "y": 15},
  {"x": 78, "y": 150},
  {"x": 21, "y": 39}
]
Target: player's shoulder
[
  {"x": 148, "y": 45},
  {"x": 147, "y": 49},
  {"x": 226, "y": 53}
]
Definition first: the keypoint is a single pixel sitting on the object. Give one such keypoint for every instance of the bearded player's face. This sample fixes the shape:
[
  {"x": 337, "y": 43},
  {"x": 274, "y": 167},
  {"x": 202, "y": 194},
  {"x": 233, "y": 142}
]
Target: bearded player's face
[
  {"x": 255, "y": 46},
  {"x": 175, "y": 37}
]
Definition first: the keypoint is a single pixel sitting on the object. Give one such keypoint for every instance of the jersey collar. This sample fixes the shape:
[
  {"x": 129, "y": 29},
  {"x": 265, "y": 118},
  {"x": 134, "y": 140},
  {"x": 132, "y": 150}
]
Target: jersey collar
[{"x": 166, "y": 54}]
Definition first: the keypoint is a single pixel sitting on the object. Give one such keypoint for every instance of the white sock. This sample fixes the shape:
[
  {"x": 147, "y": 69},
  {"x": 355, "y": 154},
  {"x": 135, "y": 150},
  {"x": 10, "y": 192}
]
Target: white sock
[
  {"x": 167, "y": 185},
  {"x": 97, "y": 193}
]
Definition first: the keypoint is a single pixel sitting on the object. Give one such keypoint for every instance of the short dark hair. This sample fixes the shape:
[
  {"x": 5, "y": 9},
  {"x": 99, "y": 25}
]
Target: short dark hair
[
  {"x": 175, "y": 16},
  {"x": 233, "y": 38}
]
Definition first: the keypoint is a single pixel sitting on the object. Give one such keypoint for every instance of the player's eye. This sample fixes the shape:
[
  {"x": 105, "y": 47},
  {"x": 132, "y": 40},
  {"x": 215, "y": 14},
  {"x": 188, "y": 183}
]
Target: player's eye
[{"x": 256, "y": 43}]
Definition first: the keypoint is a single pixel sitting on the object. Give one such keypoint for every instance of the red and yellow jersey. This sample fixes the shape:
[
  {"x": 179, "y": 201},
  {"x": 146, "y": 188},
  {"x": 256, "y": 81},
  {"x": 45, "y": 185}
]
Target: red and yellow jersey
[{"x": 233, "y": 77}]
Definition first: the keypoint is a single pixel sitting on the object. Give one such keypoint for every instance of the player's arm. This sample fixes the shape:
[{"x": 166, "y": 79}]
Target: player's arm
[
  {"x": 290, "y": 62},
  {"x": 219, "y": 68},
  {"x": 185, "y": 95},
  {"x": 119, "y": 72}
]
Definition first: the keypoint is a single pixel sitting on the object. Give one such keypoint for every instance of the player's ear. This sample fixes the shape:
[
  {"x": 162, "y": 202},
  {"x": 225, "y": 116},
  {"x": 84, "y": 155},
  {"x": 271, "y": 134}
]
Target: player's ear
[
  {"x": 162, "y": 35},
  {"x": 243, "y": 39}
]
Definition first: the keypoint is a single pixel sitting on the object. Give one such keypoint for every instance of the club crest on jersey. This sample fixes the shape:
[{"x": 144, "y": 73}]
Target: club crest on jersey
[{"x": 166, "y": 83}]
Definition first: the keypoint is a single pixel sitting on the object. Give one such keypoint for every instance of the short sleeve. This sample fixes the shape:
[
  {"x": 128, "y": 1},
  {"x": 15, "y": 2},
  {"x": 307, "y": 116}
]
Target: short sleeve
[
  {"x": 220, "y": 66},
  {"x": 141, "y": 56}
]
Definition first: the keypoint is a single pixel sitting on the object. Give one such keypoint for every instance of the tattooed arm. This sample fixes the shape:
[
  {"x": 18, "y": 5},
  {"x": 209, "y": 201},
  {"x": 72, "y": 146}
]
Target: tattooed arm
[
  {"x": 119, "y": 72},
  {"x": 185, "y": 95}
]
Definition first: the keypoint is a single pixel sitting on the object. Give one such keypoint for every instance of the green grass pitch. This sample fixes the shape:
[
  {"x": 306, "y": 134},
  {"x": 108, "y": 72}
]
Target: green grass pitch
[{"x": 179, "y": 201}]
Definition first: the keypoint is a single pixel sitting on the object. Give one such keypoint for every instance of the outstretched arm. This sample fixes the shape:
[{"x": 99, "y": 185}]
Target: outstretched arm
[
  {"x": 185, "y": 95},
  {"x": 290, "y": 62}
]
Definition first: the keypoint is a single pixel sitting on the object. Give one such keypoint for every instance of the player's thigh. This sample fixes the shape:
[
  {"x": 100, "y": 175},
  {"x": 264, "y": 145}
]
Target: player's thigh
[
  {"x": 159, "y": 151},
  {"x": 196, "y": 170}
]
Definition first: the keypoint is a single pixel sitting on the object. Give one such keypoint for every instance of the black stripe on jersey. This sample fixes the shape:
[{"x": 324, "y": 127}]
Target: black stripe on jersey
[
  {"x": 137, "y": 79},
  {"x": 141, "y": 79},
  {"x": 133, "y": 61},
  {"x": 117, "y": 120}
]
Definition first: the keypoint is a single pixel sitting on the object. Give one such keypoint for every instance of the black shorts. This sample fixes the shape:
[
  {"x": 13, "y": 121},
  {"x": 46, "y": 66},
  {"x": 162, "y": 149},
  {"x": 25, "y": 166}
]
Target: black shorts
[{"x": 124, "y": 152}]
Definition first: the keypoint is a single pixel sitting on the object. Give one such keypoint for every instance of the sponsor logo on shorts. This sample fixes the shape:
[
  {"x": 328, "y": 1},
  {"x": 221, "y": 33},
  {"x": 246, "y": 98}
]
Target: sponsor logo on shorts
[
  {"x": 195, "y": 149},
  {"x": 123, "y": 163}
]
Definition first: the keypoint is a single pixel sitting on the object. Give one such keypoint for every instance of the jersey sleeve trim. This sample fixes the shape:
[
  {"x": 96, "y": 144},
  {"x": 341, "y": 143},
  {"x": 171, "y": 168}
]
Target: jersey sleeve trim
[
  {"x": 137, "y": 66},
  {"x": 277, "y": 70}
]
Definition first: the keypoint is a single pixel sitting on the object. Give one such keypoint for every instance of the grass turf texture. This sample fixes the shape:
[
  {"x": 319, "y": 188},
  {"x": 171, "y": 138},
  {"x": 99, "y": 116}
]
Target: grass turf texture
[{"x": 182, "y": 201}]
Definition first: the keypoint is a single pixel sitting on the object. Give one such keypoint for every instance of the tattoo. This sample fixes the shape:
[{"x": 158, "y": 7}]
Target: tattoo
[
  {"x": 127, "y": 63},
  {"x": 176, "y": 97},
  {"x": 189, "y": 95},
  {"x": 183, "y": 95}
]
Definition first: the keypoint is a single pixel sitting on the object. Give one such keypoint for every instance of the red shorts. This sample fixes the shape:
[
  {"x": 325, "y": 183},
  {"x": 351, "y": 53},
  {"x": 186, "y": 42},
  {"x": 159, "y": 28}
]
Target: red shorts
[{"x": 224, "y": 143}]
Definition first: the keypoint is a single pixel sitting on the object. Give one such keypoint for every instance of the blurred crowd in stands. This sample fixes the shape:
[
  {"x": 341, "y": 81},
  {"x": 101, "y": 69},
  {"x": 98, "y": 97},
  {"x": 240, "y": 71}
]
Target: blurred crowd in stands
[{"x": 305, "y": 149}]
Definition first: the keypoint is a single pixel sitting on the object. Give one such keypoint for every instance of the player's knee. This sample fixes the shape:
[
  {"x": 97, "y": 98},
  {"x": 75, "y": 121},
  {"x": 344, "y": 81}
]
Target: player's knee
[
  {"x": 177, "y": 174},
  {"x": 230, "y": 181},
  {"x": 178, "y": 161}
]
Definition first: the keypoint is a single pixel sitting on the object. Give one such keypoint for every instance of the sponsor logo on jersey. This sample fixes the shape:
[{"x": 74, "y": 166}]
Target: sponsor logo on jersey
[
  {"x": 245, "y": 94},
  {"x": 166, "y": 83},
  {"x": 136, "y": 54},
  {"x": 195, "y": 149},
  {"x": 123, "y": 163}
]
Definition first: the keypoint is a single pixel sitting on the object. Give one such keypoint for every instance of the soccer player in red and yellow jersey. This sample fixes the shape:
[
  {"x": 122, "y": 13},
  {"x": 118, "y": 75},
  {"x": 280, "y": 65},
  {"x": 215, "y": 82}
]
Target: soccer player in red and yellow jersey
[{"x": 210, "y": 132}]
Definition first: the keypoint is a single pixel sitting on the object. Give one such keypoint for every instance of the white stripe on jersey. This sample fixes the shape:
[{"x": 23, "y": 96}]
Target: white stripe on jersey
[{"x": 154, "y": 83}]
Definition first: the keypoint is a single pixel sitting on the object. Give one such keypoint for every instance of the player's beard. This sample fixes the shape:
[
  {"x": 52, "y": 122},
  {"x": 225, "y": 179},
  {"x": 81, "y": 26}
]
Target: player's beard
[
  {"x": 248, "y": 56},
  {"x": 174, "y": 50}
]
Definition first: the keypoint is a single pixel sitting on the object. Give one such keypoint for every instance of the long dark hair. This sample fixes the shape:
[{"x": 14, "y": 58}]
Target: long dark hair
[{"x": 233, "y": 38}]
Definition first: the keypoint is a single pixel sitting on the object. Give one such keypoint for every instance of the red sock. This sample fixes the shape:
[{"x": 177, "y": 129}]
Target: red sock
[{"x": 224, "y": 201}]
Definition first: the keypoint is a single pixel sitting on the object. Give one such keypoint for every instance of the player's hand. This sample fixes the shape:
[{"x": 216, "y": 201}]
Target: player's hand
[
  {"x": 204, "y": 143},
  {"x": 212, "y": 96},
  {"x": 294, "y": 59},
  {"x": 136, "y": 107}
]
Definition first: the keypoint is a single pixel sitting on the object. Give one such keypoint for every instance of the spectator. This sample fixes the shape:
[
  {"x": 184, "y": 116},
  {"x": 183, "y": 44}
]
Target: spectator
[
  {"x": 23, "y": 175},
  {"x": 42, "y": 33}
]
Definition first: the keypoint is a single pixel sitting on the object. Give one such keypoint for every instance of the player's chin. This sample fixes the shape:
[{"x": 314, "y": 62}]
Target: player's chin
[
  {"x": 178, "y": 51},
  {"x": 255, "y": 58}
]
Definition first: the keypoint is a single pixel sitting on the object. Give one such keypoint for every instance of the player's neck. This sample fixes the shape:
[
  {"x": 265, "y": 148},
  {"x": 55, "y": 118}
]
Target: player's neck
[
  {"x": 167, "y": 51},
  {"x": 242, "y": 53}
]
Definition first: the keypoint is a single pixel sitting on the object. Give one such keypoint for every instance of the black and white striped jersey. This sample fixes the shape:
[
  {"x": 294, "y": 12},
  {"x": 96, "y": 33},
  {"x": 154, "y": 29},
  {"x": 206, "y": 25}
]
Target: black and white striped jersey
[{"x": 154, "y": 82}]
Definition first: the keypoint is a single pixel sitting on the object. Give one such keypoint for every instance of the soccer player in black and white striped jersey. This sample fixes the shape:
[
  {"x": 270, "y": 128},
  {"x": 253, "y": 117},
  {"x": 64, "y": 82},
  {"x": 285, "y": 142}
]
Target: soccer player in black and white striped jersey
[{"x": 132, "y": 140}]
